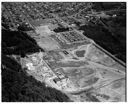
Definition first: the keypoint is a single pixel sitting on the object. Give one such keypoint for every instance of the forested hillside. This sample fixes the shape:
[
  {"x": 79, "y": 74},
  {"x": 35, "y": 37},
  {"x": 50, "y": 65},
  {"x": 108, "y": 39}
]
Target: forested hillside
[{"x": 16, "y": 85}]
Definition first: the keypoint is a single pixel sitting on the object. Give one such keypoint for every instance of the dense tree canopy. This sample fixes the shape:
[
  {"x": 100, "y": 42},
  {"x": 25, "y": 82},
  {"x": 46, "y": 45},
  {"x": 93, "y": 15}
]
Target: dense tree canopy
[{"x": 16, "y": 85}]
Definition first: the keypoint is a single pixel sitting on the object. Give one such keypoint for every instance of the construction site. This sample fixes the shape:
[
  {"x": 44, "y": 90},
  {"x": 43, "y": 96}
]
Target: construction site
[{"x": 72, "y": 62}]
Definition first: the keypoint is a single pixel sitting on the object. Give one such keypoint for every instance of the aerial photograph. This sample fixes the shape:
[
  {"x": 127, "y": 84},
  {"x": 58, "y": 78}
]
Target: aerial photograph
[{"x": 63, "y": 52}]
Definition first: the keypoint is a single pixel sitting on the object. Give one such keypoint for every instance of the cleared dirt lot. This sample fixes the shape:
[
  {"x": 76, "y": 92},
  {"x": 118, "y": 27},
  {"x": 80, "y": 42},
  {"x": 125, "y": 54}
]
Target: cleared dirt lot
[
  {"x": 48, "y": 43},
  {"x": 43, "y": 30}
]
